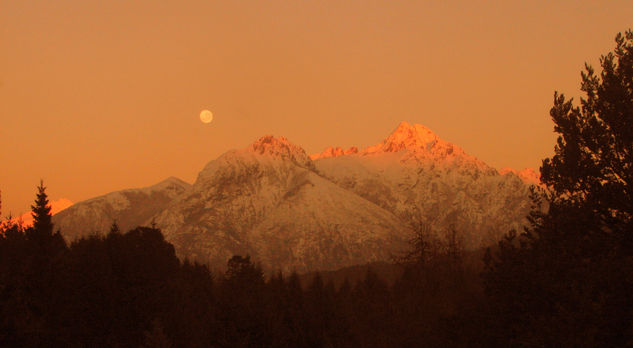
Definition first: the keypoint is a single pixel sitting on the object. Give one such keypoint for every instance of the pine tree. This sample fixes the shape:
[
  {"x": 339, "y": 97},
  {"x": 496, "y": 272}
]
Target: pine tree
[
  {"x": 567, "y": 280},
  {"x": 43, "y": 253},
  {"x": 114, "y": 229},
  {"x": 41, "y": 212},
  {"x": 593, "y": 164}
]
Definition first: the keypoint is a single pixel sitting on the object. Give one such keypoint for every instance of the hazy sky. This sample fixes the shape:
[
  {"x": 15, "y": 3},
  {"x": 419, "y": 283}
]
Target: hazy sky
[{"x": 97, "y": 96}]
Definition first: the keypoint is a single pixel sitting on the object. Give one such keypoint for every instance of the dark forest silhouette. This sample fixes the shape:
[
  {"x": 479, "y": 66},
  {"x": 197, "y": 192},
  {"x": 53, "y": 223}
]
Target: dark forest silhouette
[
  {"x": 566, "y": 280},
  {"x": 130, "y": 289}
]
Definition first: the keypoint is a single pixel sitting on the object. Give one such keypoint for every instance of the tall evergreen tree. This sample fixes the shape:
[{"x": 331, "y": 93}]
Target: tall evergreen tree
[
  {"x": 41, "y": 211},
  {"x": 593, "y": 164},
  {"x": 567, "y": 280}
]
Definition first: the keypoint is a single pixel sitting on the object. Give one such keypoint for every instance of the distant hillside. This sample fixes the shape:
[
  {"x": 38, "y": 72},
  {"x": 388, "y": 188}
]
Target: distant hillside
[{"x": 129, "y": 208}]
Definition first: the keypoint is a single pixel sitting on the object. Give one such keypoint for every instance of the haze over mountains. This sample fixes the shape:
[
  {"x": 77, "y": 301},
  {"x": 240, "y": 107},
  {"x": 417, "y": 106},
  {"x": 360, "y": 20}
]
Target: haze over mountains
[{"x": 291, "y": 211}]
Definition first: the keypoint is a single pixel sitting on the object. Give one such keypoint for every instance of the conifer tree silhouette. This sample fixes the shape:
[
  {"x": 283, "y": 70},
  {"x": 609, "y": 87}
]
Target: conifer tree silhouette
[
  {"x": 41, "y": 211},
  {"x": 567, "y": 280}
]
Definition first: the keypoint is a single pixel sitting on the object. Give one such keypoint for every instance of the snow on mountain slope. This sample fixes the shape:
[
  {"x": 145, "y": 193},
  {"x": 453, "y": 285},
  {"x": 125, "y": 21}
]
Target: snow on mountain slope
[
  {"x": 414, "y": 172},
  {"x": 528, "y": 175},
  {"x": 291, "y": 211},
  {"x": 418, "y": 146},
  {"x": 267, "y": 201},
  {"x": 129, "y": 208}
]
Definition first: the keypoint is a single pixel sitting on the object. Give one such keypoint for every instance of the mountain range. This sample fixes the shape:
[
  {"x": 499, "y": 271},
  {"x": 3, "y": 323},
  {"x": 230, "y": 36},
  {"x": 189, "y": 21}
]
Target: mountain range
[{"x": 294, "y": 211}]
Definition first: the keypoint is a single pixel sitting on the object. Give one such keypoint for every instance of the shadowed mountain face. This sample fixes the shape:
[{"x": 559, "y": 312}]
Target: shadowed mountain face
[
  {"x": 129, "y": 208},
  {"x": 291, "y": 211}
]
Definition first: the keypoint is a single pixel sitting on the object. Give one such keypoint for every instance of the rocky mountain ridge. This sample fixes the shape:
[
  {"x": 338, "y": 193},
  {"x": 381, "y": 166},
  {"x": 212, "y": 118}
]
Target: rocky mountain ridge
[
  {"x": 418, "y": 176},
  {"x": 292, "y": 211}
]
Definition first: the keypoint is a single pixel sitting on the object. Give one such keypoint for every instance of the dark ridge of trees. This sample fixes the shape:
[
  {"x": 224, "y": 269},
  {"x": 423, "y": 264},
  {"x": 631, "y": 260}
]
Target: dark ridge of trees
[
  {"x": 129, "y": 289},
  {"x": 566, "y": 280}
]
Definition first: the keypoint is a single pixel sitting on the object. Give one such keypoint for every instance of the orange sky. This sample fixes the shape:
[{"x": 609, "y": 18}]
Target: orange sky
[{"x": 97, "y": 96}]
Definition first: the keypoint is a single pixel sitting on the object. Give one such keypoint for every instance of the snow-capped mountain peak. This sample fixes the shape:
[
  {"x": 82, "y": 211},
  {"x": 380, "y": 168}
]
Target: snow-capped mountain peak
[
  {"x": 406, "y": 137},
  {"x": 416, "y": 145},
  {"x": 281, "y": 148}
]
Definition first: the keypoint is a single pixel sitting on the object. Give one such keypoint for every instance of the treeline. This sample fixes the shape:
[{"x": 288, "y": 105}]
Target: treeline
[{"x": 129, "y": 289}]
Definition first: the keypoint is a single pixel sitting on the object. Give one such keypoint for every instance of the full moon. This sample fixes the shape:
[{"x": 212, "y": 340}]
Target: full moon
[{"x": 206, "y": 116}]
